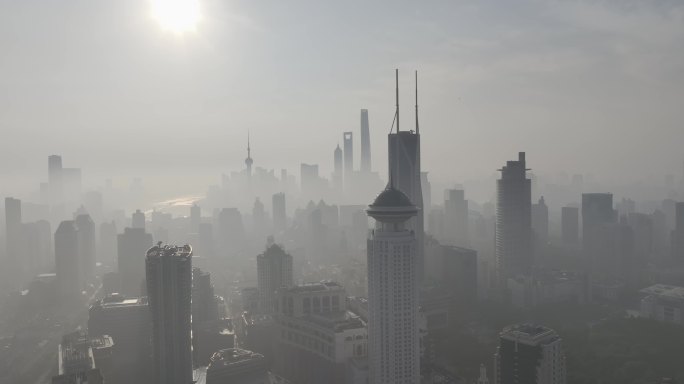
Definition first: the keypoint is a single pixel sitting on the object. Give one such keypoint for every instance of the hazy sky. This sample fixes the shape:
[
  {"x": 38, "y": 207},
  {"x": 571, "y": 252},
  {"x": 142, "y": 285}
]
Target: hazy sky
[{"x": 582, "y": 86}]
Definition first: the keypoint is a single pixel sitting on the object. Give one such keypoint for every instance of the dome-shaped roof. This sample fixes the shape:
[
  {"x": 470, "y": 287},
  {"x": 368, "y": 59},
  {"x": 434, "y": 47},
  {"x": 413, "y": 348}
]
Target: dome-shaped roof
[{"x": 392, "y": 197}]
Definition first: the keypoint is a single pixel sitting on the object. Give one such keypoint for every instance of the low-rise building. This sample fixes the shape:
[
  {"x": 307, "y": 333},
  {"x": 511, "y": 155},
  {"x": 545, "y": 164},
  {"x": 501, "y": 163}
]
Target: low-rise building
[{"x": 663, "y": 303}]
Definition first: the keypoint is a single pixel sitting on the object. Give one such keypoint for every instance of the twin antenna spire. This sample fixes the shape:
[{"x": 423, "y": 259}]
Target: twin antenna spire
[
  {"x": 396, "y": 119},
  {"x": 396, "y": 114}
]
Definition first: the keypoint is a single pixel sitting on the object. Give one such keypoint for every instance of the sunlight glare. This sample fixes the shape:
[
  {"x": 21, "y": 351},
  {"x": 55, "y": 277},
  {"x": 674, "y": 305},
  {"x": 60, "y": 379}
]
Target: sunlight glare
[{"x": 176, "y": 15}]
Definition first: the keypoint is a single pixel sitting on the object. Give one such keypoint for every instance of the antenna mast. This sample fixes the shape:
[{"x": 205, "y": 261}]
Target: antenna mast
[
  {"x": 417, "y": 127},
  {"x": 396, "y": 77}
]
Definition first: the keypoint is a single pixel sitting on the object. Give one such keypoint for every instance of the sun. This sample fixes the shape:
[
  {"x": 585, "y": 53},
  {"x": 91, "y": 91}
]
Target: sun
[{"x": 176, "y": 15}]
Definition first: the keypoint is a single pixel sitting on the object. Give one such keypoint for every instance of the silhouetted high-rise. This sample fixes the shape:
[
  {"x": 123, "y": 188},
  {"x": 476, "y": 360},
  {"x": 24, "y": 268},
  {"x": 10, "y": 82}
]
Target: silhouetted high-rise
[
  {"x": 677, "y": 234},
  {"x": 570, "y": 225},
  {"x": 403, "y": 149},
  {"x": 279, "y": 212},
  {"x": 274, "y": 271},
  {"x": 348, "y": 145},
  {"x": 365, "y": 142},
  {"x": 169, "y": 288},
  {"x": 338, "y": 172},
  {"x": 67, "y": 261},
  {"x": 514, "y": 220},
  {"x": 393, "y": 334},
  {"x": 86, "y": 246},
  {"x": 55, "y": 178},
  {"x": 455, "y": 217},
  {"x": 540, "y": 221},
  {"x": 597, "y": 214},
  {"x": 131, "y": 248},
  {"x": 138, "y": 219}
]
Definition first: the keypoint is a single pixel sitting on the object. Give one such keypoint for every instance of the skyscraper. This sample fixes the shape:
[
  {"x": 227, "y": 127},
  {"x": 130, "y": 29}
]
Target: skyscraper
[
  {"x": 597, "y": 215},
  {"x": 529, "y": 354},
  {"x": 393, "y": 334},
  {"x": 540, "y": 221},
  {"x": 403, "y": 150},
  {"x": 274, "y": 271},
  {"x": 86, "y": 246},
  {"x": 55, "y": 178},
  {"x": 131, "y": 248},
  {"x": 570, "y": 225},
  {"x": 138, "y": 219},
  {"x": 677, "y": 235},
  {"x": 338, "y": 172},
  {"x": 169, "y": 288},
  {"x": 365, "y": 142},
  {"x": 279, "y": 212},
  {"x": 456, "y": 217},
  {"x": 67, "y": 261},
  {"x": 348, "y": 145},
  {"x": 514, "y": 220}
]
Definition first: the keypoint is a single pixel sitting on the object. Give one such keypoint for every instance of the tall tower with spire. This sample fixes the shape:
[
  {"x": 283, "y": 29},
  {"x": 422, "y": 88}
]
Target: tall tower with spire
[
  {"x": 248, "y": 160},
  {"x": 404, "y": 166},
  {"x": 393, "y": 281}
]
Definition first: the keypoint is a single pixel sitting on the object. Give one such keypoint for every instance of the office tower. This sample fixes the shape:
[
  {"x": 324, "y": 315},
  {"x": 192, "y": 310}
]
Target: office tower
[
  {"x": 169, "y": 289},
  {"x": 248, "y": 160},
  {"x": 67, "y": 261},
  {"x": 459, "y": 274},
  {"x": 235, "y": 365},
  {"x": 204, "y": 310},
  {"x": 55, "y": 178},
  {"x": 570, "y": 225},
  {"x": 129, "y": 322},
  {"x": 37, "y": 238},
  {"x": 338, "y": 172},
  {"x": 529, "y": 354},
  {"x": 365, "y": 142},
  {"x": 540, "y": 221},
  {"x": 677, "y": 235},
  {"x": 514, "y": 220},
  {"x": 317, "y": 336},
  {"x": 393, "y": 335},
  {"x": 13, "y": 231},
  {"x": 455, "y": 217},
  {"x": 86, "y": 246},
  {"x": 403, "y": 149},
  {"x": 279, "y": 212},
  {"x": 348, "y": 145},
  {"x": 274, "y": 271},
  {"x": 131, "y": 248},
  {"x": 76, "y": 359},
  {"x": 195, "y": 217},
  {"x": 108, "y": 247},
  {"x": 138, "y": 219}
]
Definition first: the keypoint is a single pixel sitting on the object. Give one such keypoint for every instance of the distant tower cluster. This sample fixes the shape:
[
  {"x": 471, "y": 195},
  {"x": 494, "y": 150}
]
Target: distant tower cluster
[
  {"x": 514, "y": 220},
  {"x": 169, "y": 288}
]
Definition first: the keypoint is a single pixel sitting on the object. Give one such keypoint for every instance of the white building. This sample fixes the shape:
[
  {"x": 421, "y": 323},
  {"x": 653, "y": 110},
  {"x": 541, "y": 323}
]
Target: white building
[
  {"x": 393, "y": 332},
  {"x": 529, "y": 354},
  {"x": 663, "y": 303}
]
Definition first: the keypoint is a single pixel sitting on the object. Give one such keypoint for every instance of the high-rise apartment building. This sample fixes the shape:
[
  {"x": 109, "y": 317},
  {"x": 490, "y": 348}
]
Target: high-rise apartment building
[
  {"x": 529, "y": 354},
  {"x": 274, "y": 271},
  {"x": 540, "y": 221},
  {"x": 393, "y": 333},
  {"x": 514, "y": 220},
  {"x": 169, "y": 289}
]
